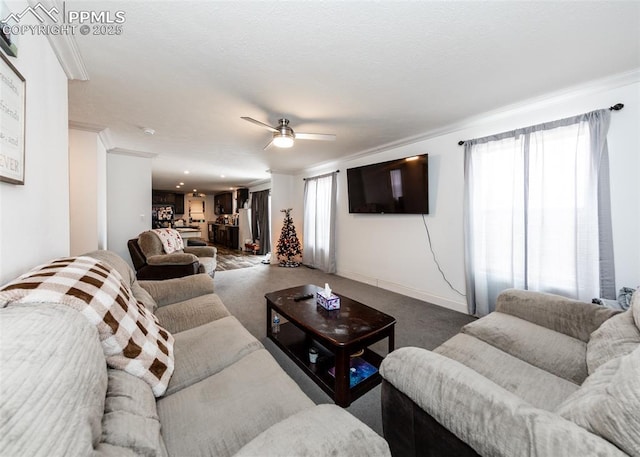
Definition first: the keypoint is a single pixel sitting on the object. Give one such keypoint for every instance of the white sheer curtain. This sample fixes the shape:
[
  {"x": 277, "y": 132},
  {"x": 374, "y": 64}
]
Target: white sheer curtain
[
  {"x": 537, "y": 212},
  {"x": 319, "y": 223}
]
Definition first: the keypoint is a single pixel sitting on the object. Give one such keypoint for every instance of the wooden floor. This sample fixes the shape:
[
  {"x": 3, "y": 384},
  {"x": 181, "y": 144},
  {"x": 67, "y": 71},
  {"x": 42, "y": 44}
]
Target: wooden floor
[{"x": 232, "y": 259}]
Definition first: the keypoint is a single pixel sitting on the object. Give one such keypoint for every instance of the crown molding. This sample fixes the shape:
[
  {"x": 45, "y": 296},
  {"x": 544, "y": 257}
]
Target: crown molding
[
  {"x": 65, "y": 48},
  {"x": 103, "y": 132},
  {"x": 588, "y": 88},
  {"x": 258, "y": 182},
  {"x": 131, "y": 152},
  {"x": 86, "y": 127},
  {"x": 107, "y": 139},
  {"x": 283, "y": 172}
]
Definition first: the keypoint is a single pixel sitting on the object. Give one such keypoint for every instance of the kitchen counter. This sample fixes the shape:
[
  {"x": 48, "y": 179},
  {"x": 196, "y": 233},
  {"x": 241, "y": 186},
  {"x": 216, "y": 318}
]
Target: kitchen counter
[
  {"x": 223, "y": 234},
  {"x": 188, "y": 232}
]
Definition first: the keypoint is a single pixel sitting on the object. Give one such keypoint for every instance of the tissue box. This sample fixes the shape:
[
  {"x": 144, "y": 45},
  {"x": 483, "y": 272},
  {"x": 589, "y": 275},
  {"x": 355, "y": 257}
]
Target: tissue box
[{"x": 332, "y": 302}]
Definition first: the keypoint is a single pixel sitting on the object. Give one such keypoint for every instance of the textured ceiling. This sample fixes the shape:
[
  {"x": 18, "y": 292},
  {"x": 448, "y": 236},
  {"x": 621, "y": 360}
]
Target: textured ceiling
[{"x": 374, "y": 74}]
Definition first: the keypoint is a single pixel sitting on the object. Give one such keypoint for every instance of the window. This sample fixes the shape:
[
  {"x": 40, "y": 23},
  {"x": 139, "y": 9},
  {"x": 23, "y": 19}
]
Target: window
[
  {"x": 537, "y": 214},
  {"x": 319, "y": 223}
]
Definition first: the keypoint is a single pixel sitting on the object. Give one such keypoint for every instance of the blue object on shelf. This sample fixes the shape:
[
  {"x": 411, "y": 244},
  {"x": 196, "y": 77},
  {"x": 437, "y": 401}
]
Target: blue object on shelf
[{"x": 359, "y": 371}]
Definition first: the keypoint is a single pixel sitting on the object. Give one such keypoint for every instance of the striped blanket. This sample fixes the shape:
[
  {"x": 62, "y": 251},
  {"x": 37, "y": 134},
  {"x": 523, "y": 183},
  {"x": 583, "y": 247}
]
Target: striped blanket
[{"x": 132, "y": 340}]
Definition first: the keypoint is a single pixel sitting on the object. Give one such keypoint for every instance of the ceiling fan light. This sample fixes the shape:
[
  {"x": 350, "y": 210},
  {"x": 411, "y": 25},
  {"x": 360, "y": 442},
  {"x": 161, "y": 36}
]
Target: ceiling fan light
[{"x": 282, "y": 141}]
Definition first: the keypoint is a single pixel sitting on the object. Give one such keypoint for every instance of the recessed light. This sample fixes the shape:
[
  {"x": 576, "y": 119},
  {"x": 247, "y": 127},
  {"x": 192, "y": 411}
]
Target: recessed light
[
  {"x": 148, "y": 131},
  {"x": 182, "y": 184},
  {"x": 222, "y": 176},
  {"x": 177, "y": 187},
  {"x": 186, "y": 172},
  {"x": 195, "y": 190}
]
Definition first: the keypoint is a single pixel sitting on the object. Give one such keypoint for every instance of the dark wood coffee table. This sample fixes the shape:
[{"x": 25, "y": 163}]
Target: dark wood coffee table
[{"x": 337, "y": 334}]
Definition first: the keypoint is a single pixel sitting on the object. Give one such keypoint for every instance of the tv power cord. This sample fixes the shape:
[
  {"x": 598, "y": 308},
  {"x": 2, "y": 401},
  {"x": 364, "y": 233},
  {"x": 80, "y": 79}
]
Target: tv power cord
[{"x": 435, "y": 259}]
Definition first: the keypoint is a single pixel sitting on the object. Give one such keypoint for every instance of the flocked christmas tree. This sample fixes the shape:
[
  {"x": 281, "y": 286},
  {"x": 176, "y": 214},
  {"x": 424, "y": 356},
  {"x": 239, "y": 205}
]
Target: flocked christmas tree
[{"x": 289, "y": 250}]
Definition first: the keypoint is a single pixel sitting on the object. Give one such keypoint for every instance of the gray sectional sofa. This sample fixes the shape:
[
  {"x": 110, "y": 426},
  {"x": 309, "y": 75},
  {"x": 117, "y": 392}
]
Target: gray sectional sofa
[
  {"x": 227, "y": 395},
  {"x": 541, "y": 376}
]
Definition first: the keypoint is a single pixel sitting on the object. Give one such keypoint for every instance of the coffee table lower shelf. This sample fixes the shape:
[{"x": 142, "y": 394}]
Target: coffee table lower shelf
[{"x": 295, "y": 343}]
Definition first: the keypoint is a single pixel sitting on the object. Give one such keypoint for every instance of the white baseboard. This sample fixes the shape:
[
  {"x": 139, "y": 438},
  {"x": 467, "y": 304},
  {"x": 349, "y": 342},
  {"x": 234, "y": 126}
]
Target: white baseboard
[{"x": 461, "y": 307}]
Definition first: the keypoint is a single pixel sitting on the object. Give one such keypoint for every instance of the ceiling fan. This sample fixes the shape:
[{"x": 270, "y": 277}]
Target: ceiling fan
[{"x": 284, "y": 136}]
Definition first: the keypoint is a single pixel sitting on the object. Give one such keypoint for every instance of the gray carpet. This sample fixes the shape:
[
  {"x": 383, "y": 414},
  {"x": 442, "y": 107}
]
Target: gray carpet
[{"x": 418, "y": 323}]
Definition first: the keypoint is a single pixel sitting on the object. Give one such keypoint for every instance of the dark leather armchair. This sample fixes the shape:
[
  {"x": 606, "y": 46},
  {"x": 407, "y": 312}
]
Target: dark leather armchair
[{"x": 152, "y": 263}]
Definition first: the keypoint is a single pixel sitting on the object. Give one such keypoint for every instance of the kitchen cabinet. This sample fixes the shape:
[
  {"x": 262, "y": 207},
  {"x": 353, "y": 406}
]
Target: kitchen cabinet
[
  {"x": 179, "y": 203},
  {"x": 224, "y": 203},
  {"x": 242, "y": 197},
  {"x": 223, "y": 234},
  {"x": 162, "y": 197}
]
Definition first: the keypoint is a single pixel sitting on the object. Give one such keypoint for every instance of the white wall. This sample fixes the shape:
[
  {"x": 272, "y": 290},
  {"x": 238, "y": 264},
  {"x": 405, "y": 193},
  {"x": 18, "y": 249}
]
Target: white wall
[
  {"x": 34, "y": 218},
  {"x": 391, "y": 251},
  {"x": 87, "y": 187},
  {"x": 101, "y": 184},
  {"x": 128, "y": 200},
  {"x": 282, "y": 197}
]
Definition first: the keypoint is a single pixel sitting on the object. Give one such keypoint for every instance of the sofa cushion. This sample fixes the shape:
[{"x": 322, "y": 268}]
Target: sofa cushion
[
  {"x": 616, "y": 337},
  {"x": 175, "y": 258},
  {"x": 608, "y": 403},
  {"x": 130, "y": 416},
  {"x": 205, "y": 350},
  {"x": 174, "y": 290},
  {"x": 222, "y": 413},
  {"x": 555, "y": 352},
  {"x": 635, "y": 307},
  {"x": 109, "y": 450},
  {"x": 150, "y": 244},
  {"x": 143, "y": 297},
  {"x": 308, "y": 434},
  {"x": 115, "y": 261},
  {"x": 491, "y": 420},
  {"x": 538, "y": 387},
  {"x": 53, "y": 378},
  {"x": 571, "y": 317},
  {"x": 191, "y": 313},
  {"x": 202, "y": 251}
]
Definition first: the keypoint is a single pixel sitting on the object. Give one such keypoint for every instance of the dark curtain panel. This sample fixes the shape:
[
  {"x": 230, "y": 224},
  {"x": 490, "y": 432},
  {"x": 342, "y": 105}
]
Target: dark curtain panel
[{"x": 260, "y": 220}]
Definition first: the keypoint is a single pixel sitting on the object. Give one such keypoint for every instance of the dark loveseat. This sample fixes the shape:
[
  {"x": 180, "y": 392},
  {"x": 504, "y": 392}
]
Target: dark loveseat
[{"x": 152, "y": 263}]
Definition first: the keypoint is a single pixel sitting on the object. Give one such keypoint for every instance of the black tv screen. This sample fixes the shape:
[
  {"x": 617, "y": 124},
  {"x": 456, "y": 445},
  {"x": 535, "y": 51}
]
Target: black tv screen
[{"x": 397, "y": 186}]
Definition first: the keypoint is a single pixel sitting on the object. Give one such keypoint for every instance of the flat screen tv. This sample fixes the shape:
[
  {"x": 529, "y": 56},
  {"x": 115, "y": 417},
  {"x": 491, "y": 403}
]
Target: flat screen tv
[{"x": 394, "y": 187}]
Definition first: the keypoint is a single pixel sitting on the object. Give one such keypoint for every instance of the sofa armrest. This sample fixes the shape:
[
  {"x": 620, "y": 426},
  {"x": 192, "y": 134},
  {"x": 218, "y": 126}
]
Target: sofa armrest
[
  {"x": 320, "y": 431},
  {"x": 490, "y": 419},
  {"x": 177, "y": 258},
  {"x": 164, "y": 272},
  {"x": 201, "y": 251},
  {"x": 571, "y": 317},
  {"x": 179, "y": 289}
]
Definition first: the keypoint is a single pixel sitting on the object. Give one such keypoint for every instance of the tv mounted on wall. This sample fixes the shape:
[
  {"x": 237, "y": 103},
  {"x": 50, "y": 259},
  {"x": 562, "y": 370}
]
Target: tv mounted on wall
[{"x": 395, "y": 187}]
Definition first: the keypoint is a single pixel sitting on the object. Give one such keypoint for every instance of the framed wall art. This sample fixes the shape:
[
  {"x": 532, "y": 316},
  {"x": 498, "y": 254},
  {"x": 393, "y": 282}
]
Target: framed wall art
[{"x": 12, "y": 118}]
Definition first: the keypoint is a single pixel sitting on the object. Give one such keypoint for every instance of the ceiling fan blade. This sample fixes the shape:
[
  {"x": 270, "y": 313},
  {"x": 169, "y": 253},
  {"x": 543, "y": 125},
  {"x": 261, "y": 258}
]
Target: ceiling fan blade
[
  {"x": 315, "y": 136},
  {"x": 268, "y": 145},
  {"x": 258, "y": 123}
]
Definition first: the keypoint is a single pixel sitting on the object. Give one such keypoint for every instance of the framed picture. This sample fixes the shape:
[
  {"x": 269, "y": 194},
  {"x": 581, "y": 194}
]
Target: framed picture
[{"x": 12, "y": 117}]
